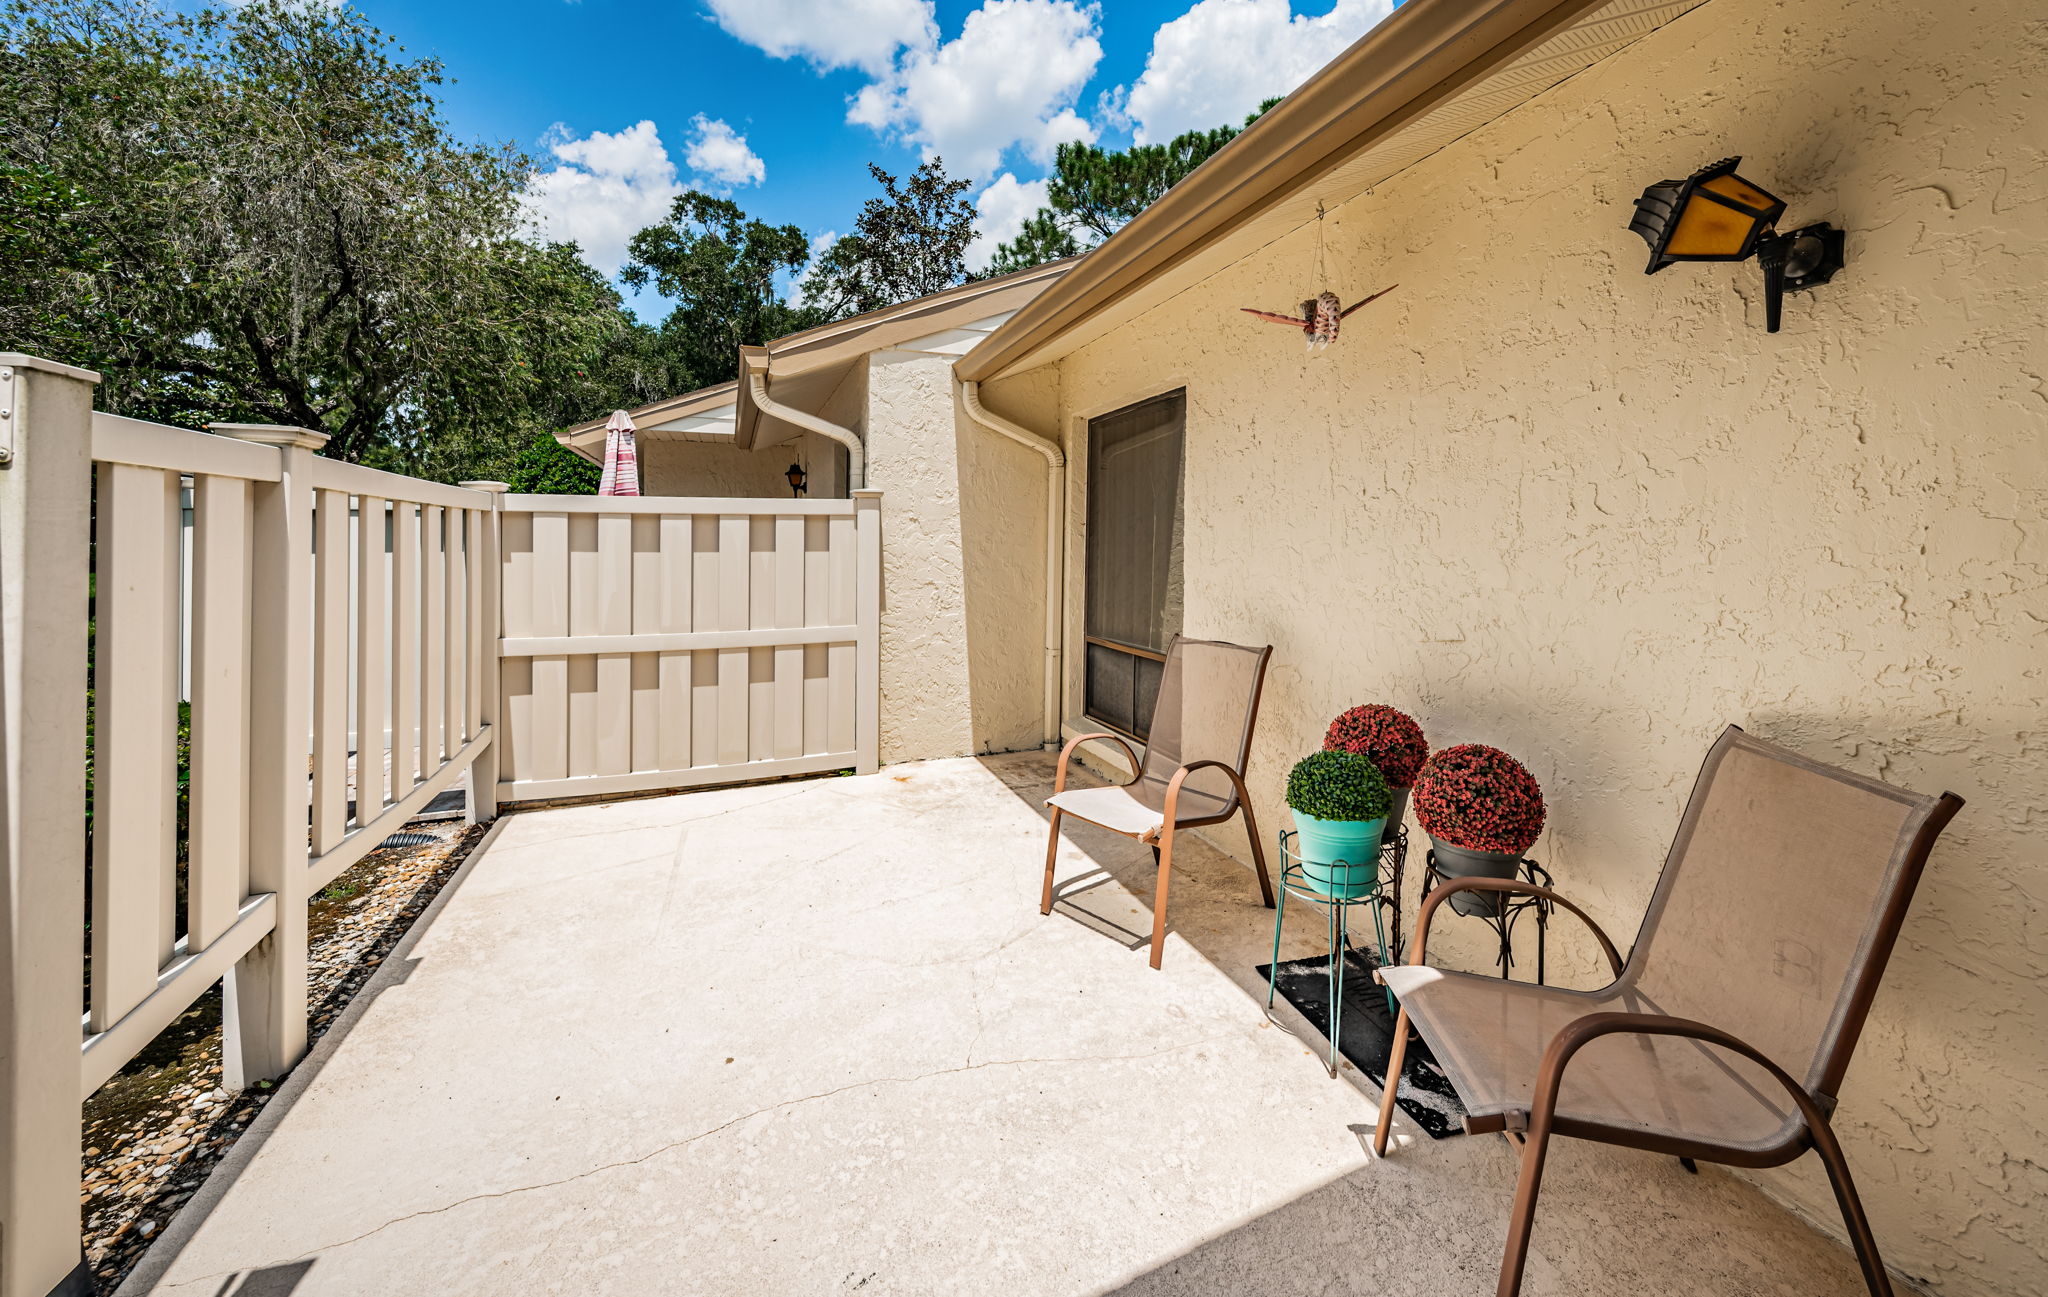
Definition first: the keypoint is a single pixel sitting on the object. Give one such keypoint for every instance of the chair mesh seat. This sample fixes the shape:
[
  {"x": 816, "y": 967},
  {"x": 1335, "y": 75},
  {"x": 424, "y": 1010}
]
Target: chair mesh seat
[
  {"x": 1139, "y": 809},
  {"x": 1489, "y": 1036}
]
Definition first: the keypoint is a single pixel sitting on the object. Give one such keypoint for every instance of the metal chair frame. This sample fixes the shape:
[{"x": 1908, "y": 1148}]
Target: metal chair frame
[
  {"x": 1160, "y": 838},
  {"x": 1815, "y": 1106}
]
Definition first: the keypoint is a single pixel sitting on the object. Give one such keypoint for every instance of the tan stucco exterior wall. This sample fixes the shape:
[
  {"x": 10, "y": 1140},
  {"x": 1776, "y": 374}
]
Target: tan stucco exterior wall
[
  {"x": 963, "y": 528},
  {"x": 698, "y": 468},
  {"x": 1544, "y": 501},
  {"x": 913, "y": 459}
]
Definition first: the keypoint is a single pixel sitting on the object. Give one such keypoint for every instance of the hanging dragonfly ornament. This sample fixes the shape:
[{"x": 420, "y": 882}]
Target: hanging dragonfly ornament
[{"x": 1324, "y": 314}]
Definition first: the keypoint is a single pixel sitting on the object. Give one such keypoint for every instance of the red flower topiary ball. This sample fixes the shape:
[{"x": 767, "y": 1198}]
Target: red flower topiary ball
[
  {"x": 1479, "y": 798},
  {"x": 1390, "y": 737}
]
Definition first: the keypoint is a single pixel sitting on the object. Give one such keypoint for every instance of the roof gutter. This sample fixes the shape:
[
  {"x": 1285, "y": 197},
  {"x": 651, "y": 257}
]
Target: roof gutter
[
  {"x": 1055, "y": 540},
  {"x": 755, "y": 360},
  {"x": 1424, "y": 54}
]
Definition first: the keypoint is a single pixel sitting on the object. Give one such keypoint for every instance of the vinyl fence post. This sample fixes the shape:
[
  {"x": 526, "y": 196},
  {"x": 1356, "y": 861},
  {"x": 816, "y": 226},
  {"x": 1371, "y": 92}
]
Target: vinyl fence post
[
  {"x": 264, "y": 1015},
  {"x": 487, "y": 566},
  {"x": 867, "y": 517},
  {"x": 45, "y": 537}
]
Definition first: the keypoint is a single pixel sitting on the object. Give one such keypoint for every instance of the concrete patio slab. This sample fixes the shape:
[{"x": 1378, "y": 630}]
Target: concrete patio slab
[{"x": 815, "y": 1038}]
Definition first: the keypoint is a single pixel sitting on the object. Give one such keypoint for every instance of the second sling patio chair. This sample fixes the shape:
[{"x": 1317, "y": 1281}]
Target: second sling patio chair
[
  {"x": 1726, "y": 1034},
  {"x": 1193, "y": 771}
]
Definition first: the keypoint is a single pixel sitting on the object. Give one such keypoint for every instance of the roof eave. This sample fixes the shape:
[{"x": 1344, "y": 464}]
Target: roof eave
[{"x": 1420, "y": 56}]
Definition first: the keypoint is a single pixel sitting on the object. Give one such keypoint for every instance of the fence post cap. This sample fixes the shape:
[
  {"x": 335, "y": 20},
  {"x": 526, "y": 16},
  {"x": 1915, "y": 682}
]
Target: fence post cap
[
  {"x": 866, "y": 493},
  {"x": 271, "y": 434},
  {"x": 22, "y": 360},
  {"x": 486, "y": 484}
]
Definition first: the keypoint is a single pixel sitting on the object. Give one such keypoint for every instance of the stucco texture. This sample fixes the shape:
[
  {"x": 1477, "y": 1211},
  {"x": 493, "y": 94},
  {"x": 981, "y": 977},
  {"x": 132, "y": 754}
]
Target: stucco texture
[
  {"x": 962, "y": 606},
  {"x": 707, "y": 469},
  {"x": 1544, "y": 501}
]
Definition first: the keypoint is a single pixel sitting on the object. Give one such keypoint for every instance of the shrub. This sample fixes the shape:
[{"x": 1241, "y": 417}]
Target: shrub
[
  {"x": 1390, "y": 737},
  {"x": 1338, "y": 786},
  {"x": 1479, "y": 798}
]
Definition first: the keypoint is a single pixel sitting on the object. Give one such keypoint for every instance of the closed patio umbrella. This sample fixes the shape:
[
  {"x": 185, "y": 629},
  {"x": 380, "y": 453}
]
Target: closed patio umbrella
[{"x": 621, "y": 461}]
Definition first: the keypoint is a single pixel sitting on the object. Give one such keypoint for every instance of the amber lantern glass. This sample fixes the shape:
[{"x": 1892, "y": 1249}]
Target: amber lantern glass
[{"x": 1712, "y": 215}]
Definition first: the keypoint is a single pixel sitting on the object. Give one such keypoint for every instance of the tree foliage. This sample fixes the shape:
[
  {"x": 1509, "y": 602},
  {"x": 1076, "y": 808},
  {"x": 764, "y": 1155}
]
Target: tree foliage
[
  {"x": 259, "y": 214},
  {"x": 909, "y": 242},
  {"x": 719, "y": 266},
  {"x": 1093, "y": 192}
]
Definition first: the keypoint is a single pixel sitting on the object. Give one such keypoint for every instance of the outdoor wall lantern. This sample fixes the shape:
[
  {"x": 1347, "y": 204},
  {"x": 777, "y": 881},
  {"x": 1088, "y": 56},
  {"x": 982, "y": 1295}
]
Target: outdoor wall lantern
[
  {"x": 796, "y": 478},
  {"x": 1716, "y": 215}
]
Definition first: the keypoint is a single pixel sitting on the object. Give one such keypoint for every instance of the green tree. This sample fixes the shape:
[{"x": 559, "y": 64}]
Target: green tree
[
  {"x": 546, "y": 467},
  {"x": 909, "y": 242},
  {"x": 262, "y": 216},
  {"x": 719, "y": 266},
  {"x": 1093, "y": 192}
]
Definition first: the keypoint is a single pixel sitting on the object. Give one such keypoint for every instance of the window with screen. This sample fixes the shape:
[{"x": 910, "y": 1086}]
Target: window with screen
[{"x": 1134, "y": 558}]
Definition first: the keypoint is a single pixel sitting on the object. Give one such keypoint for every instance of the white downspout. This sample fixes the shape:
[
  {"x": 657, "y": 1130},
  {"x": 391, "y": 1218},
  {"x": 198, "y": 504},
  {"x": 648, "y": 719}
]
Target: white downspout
[
  {"x": 856, "y": 454},
  {"x": 1055, "y": 542}
]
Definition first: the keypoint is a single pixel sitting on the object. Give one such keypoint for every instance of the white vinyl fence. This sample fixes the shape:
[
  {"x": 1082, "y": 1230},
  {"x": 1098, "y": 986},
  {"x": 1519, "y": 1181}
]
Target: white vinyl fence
[{"x": 339, "y": 634}]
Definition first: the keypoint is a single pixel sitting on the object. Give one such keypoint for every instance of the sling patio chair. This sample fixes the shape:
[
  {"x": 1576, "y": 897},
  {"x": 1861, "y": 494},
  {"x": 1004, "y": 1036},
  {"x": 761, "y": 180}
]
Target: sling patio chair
[
  {"x": 1193, "y": 771},
  {"x": 1726, "y": 1034}
]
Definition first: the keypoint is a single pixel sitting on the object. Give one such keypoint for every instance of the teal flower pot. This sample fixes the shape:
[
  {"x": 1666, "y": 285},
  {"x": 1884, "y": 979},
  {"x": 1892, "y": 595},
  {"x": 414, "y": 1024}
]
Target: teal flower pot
[
  {"x": 1340, "y": 858},
  {"x": 1463, "y": 862}
]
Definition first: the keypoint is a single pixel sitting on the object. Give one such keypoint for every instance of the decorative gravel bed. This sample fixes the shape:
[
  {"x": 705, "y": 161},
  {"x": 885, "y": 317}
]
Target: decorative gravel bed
[{"x": 156, "y": 1130}]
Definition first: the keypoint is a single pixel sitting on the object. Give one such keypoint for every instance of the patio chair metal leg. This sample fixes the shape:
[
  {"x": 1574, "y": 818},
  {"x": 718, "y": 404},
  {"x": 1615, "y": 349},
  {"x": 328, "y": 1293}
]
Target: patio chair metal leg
[
  {"x": 1052, "y": 854},
  {"x": 1395, "y": 1058},
  {"x": 1522, "y": 1216},
  {"x": 1830, "y": 1151},
  {"x": 1251, "y": 826},
  {"x": 1163, "y": 853}
]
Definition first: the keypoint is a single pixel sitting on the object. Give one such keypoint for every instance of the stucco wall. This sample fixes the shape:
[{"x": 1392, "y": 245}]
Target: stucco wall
[
  {"x": 1002, "y": 496},
  {"x": 702, "y": 468},
  {"x": 962, "y": 609},
  {"x": 913, "y": 460},
  {"x": 1544, "y": 501}
]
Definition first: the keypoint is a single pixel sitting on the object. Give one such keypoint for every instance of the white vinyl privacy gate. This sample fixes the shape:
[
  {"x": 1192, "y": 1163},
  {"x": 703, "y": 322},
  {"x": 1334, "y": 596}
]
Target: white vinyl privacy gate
[
  {"x": 346, "y": 645},
  {"x": 659, "y": 642}
]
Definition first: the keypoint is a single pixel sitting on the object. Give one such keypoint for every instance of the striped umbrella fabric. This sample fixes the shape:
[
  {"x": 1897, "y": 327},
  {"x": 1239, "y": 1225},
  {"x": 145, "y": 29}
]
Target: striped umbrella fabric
[{"x": 621, "y": 460}]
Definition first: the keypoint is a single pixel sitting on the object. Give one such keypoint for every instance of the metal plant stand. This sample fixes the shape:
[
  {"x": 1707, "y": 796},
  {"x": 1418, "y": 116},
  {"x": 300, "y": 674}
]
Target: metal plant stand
[
  {"x": 1509, "y": 911},
  {"x": 1386, "y": 894}
]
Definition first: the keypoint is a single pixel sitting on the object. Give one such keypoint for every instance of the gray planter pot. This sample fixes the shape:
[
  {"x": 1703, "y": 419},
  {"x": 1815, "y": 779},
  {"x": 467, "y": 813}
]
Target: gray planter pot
[
  {"x": 1397, "y": 814},
  {"x": 1463, "y": 862}
]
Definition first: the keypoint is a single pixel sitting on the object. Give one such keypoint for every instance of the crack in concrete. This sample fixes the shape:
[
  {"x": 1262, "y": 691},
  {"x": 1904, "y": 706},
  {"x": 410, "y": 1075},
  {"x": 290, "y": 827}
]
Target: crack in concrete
[{"x": 723, "y": 1126}]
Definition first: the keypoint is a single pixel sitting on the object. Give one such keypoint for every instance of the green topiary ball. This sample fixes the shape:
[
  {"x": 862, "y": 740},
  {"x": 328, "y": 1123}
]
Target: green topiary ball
[{"x": 1333, "y": 785}]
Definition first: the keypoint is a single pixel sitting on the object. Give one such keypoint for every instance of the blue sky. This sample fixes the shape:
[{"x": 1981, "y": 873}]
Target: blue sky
[{"x": 781, "y": 103}]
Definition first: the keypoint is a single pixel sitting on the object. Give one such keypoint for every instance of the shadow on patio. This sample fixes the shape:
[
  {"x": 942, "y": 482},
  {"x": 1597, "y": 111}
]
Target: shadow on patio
[{"x": 814, "y": 1037}]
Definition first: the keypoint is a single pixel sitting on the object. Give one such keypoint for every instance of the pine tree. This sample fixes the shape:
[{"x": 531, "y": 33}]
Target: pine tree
[{"x": 1093, "y": 192}]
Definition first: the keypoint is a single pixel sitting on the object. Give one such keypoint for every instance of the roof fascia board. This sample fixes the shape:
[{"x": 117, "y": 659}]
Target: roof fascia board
[
  {"x": 845, "y": 340},
  {"x": 1425, "y": 53}
]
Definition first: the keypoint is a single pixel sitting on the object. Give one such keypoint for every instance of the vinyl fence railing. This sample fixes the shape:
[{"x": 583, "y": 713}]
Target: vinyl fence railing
[
  {"x": 341, "y": 671},
  {"x": 333, "y": 637}
]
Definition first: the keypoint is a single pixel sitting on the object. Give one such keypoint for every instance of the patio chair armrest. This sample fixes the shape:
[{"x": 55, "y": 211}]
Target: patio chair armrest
[
  {"x": 1446, "y": 889},
  {"x": 1180, "y": 777},
  {"x": 1579, "y": 1033},
  {"x": 1059, "y": 783}
]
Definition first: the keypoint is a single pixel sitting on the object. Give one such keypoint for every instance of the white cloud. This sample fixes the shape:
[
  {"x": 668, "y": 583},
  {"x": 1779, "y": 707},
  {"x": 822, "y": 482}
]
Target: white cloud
[
  {"x": 604, "y": 190},
  {"x": 999, "y": 212},
  {"x": 793, "y": 284},
  {"x": 720, "y": 154},
  {"x": 1065, "y": 125},
  {"x": 1010, "y": 77},
  {"x": 1223, "y": 58},
  {"x": 861, "y": 34}
]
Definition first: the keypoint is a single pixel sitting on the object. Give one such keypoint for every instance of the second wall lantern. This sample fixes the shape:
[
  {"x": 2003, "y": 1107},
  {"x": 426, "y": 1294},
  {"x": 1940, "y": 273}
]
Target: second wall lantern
[{"x": 1716, "y": 215}]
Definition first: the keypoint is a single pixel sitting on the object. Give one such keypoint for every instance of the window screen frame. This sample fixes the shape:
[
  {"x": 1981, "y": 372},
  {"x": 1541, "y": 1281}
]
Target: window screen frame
[{"x": 1131, "y": 669}]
